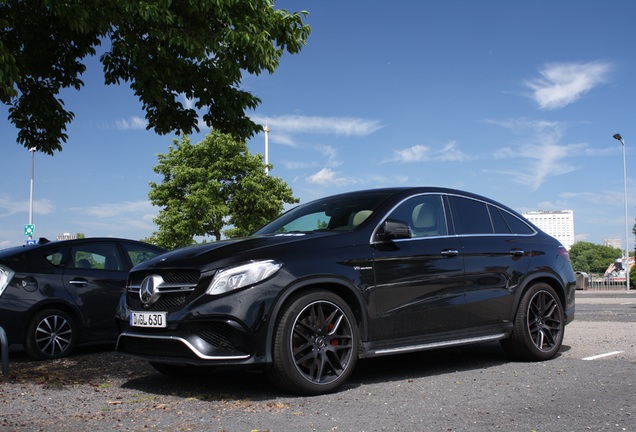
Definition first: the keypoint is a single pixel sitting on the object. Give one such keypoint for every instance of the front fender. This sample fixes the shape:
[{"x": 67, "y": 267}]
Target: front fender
[{"x": 353, "y": 295}]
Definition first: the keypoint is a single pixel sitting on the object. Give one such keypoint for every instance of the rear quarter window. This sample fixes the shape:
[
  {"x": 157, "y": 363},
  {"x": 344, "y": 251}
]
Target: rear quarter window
[{"x": 517, "y": 225}]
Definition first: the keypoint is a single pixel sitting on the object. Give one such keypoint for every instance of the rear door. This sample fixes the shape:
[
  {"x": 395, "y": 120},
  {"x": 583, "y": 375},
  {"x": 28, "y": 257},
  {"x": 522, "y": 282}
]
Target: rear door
[{"x": 496, "y": 256}]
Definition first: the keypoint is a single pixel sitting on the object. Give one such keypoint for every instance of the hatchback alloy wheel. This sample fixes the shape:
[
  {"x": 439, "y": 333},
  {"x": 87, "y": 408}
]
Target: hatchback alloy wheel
[{"x": 52, "y": 334}]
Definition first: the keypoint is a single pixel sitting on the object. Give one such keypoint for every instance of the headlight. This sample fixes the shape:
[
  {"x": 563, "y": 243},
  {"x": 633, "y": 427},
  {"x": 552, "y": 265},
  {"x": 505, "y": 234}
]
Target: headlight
[
  {"x": 5, "y": 277},
  {"x": 232, "y": 278}
]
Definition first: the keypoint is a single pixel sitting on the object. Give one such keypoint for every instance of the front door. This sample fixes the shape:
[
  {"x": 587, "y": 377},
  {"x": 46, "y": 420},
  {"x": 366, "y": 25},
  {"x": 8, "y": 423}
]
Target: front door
[{"x": 419, "y": 281}]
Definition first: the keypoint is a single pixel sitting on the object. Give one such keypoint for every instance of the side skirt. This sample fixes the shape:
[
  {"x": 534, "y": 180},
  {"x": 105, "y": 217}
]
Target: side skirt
[{"x": 376, "y": 349}]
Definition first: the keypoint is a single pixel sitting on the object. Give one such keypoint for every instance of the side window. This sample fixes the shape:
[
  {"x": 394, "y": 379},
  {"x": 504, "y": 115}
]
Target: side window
[
  {"x": 424, "y": 214},
  {"x": 517, "y": 225},
  {"x": 498, "y": 222},
  {"x": 140, "y": 253},
  {"x": 471, "y": 216},
  {"x": 56, "y": 257},
  {"x": 99, "y": 256}
]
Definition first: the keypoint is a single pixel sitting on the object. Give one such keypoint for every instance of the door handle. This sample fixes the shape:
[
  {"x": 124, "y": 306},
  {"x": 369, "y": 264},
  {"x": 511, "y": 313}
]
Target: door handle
[
  {"x": 517, "y": 252},
  {"x": 78, "y": 281},
  {"x": 450, "y": 252}
]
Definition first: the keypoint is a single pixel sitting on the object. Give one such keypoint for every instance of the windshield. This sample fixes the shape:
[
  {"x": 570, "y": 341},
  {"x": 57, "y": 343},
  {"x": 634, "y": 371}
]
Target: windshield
[{"x": 337, "y": 213}]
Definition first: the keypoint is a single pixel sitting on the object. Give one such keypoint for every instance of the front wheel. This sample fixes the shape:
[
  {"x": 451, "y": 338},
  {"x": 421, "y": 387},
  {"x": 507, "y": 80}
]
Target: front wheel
[
  {"x": 314, "y": 347},
  {"x": 538, "y": 326},
  {"x": 51, "y": 334}
]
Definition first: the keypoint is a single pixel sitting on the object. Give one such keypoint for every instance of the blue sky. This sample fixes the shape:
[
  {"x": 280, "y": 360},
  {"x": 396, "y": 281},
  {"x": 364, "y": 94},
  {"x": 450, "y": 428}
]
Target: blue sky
[{"x": 517, "y": 101}]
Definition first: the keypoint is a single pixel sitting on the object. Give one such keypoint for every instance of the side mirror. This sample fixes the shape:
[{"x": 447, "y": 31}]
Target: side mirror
[{"x": 394, "y": 229}]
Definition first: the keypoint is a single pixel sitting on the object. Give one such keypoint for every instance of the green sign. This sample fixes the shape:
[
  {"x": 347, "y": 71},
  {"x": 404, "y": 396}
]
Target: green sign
[{"x": 29, "y": 229}]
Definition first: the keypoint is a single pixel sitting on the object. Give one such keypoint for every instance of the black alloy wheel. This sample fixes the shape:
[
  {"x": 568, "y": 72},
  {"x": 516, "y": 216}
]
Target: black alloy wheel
[
  {"x": 51, "y": 334},
  {"x": 539, "y": 325},
  {"x": 315, "y": 344}
]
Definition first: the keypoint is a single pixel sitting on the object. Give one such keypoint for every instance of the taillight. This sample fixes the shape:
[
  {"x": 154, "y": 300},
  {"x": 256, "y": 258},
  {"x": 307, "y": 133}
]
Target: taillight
[{"x": 564, "y": 253}]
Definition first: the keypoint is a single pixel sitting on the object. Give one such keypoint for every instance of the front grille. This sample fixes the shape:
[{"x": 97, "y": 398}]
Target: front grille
[
  {"x": 174, "y": 290},
  {"x": 167, "y": 301}
]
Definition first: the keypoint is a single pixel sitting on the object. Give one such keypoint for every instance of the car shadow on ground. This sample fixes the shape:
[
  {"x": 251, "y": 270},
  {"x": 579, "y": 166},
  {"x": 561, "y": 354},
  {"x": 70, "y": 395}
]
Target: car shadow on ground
[
  {"x": 254, "y": 386},
  {"x": 97, "y": 365}
]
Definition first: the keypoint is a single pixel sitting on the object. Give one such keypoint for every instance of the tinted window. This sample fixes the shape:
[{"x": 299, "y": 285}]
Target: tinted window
[
  {"x": 471, "y": 217},
  {"x": 424, "y": 214},
  {"x": 342, "y": 212},
  {"x": 102, "y": 256},
  {"x": 139, "y": 253},
  {"x": 517, "y": 225},
  {"x": 498, "y": 222},
  {"x": 55, "y": 257}
]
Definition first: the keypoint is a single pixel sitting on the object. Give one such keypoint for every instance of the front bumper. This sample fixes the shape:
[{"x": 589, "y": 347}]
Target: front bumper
[{"x": 201, "y": 343}]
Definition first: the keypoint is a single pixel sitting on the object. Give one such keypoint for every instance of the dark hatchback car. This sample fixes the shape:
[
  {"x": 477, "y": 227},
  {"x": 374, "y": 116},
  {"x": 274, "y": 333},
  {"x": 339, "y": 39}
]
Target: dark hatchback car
[
  {"x": 55, "y": 295},
  {"x": 356, "y": 275}
]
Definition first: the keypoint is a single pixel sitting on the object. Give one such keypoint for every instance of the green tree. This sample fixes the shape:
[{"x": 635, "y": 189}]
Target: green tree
[
  {"x": 211, "y": 185},
  {"x": 592, "y": 258},
  {"x": 163, "y": 49}
]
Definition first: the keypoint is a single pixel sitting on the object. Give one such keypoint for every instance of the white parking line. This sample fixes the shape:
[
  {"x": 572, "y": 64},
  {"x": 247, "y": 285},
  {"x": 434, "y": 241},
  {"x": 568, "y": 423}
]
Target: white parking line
[{"x": 596, "y": 357}]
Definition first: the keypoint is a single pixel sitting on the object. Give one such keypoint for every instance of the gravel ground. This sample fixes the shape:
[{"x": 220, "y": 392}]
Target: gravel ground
[
  {"x": 467, "y": 389},
  {"x": 101, "y": 390}
]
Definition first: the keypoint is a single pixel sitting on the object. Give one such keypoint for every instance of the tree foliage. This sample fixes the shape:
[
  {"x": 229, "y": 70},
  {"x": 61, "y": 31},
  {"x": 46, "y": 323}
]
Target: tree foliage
[
  {"x": 163, "y": 49},
  {"x": 592, "y": 258},
  {"x": 211, "y": 185}
]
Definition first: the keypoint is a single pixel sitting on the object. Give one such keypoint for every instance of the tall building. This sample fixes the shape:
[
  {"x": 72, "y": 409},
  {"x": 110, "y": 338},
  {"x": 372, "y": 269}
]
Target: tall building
[
  {"x": 559, "y": 224},
  {"x": 613, "y": 242}
]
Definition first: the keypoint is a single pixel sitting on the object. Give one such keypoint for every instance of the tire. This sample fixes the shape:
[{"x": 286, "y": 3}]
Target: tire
[
  {"x": 539, "y": 325},
  {"x": 51, "y": 334},
  {"x": 315, "y": 344}
]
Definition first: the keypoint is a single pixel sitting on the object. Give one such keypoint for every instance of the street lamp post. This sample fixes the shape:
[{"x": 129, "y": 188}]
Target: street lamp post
[
  {"x": 31, "y": 189},
  {"x": 266, "y": 149},
  {"x": 626, "y": 260}
]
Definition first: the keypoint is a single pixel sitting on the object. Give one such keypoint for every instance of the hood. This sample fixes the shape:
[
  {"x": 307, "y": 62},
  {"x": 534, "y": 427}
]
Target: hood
[{"x": 226, "y": 252}]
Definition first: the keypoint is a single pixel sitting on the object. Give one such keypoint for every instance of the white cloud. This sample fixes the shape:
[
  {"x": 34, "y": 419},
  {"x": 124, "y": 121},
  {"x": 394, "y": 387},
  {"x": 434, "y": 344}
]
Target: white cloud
[
  {"x": 10, "y": 207},
  {"x": 295, "y": 165},
  {"x": 120, "y": 209},
  {"x": 132, "y": 123},
  {"x": 329, "y": 177},
  {"x": 417, "y": 153},
  {"x": 543, "y": 161},
  {"x": 564, "y": 83},
  {"x": 541, "y": 153},
  {"x": 132, "y": 219},
  {"x": 346, "y": 126},
  {"x": 420, "y": 153}
]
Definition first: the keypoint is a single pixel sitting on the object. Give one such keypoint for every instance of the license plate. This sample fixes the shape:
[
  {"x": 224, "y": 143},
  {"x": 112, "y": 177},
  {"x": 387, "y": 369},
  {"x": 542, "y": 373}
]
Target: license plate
[{"x": 148, "y": 319}]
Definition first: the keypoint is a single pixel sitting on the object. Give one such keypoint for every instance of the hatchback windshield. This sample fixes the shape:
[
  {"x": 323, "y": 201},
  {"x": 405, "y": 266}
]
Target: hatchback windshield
[{"x": 339, "y": 213}]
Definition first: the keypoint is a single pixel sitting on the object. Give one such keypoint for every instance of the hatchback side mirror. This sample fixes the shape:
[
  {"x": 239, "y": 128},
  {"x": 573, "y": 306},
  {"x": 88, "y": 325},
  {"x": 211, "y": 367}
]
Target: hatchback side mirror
[{"x": 394, "y": 229}]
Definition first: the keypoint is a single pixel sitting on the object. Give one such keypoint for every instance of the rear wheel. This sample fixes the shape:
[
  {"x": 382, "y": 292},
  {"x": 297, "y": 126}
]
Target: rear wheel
[
  {"x": 314, "y": 349},
  {"x": 538, "y": 327},
  {"x": 51, "y": 334}
]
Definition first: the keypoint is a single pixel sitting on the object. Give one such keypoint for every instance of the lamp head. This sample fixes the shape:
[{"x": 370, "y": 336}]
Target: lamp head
[{"x": 617, "y": 137}]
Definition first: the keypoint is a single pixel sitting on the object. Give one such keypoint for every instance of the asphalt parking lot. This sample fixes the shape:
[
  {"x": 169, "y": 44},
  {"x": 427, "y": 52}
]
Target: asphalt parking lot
[{"x": 591, "y": 385}]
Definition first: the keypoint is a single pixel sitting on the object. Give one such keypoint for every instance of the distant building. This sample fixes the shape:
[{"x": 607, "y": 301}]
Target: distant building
[
  {"x": 66, "y": 236},
  {"x": 559, "y": 224},
  {"x": 613, "y": 242}
]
